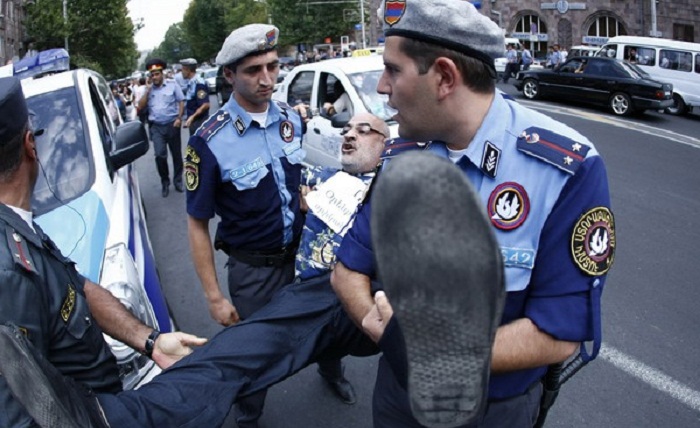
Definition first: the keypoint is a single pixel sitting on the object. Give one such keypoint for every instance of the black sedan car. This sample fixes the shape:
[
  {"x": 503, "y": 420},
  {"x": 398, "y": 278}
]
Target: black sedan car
[{"x": 622, "y": 86}]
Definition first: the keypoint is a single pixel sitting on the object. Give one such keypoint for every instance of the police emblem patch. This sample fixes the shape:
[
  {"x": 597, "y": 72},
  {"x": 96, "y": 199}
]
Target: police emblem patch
[
  {"x": 593, "y": 241},
  {"x": 240, "y": 125},
  {"x": 68, "y": 304},
  {"x": 393, "y": 11},
  {"x": 202, "y": 94},
  {"x": 191, "y": 175},
  {"x": 191, "y": 155},
  {"x": 287, "y": 131},
  {"x": 508, "y": 206}
]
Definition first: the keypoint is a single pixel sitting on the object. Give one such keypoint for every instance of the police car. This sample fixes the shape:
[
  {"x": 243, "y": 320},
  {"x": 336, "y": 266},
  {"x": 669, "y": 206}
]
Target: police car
[
  {"x": 314, "y": 84},
  {"x": 87, "y": 196}
]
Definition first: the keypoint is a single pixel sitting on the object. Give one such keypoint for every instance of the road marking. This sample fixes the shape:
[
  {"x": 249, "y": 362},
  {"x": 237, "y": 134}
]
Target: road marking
[
  {"x": 651, "y": 377},
  {"x": 613, "y": 121}
]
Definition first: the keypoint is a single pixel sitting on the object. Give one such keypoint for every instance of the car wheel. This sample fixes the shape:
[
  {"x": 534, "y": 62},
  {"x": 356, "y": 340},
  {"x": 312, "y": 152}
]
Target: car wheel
[
  {"x": 531, "y": 89},
  {"x": 679, "y": 107},
  {"x": 621, "y": 104}
]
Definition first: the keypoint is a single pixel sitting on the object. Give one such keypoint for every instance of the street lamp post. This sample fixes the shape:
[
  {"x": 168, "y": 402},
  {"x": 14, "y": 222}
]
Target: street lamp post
[{"x": 65, "y": 21}]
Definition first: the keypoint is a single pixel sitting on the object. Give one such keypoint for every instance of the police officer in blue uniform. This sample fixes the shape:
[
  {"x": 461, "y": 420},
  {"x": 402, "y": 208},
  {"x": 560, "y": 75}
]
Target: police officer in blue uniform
[
  {"x": 543, "y": 185},
  {"x": 42, "y": 295},
  {"x": 165, "y": 103},
  {"x": 544, "y": 188},
  {"x": 244, "y": 165},
  {"x": 196, "y": 96}
]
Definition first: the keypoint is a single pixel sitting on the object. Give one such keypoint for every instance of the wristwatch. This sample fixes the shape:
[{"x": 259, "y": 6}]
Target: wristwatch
[{"x": 150, "y": 343}]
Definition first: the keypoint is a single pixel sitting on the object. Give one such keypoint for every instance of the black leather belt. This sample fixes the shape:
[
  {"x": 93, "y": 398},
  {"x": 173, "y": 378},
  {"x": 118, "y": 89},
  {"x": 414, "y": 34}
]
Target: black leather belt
[{"x": 269, "y": 258}]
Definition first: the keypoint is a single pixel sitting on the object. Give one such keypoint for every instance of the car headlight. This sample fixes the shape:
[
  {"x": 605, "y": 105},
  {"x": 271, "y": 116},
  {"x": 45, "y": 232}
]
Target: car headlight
[{"x": 121, "y": 278}]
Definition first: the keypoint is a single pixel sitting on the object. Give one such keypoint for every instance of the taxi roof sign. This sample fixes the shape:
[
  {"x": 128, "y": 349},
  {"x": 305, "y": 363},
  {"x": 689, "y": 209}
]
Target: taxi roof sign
[
  {"x": 368, "y": 51},
  {"x": 48, "y": 61}
]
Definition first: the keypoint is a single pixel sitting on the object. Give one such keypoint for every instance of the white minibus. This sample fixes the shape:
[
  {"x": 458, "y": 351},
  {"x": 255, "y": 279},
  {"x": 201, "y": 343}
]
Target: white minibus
[{"x": 664, "y": 60}]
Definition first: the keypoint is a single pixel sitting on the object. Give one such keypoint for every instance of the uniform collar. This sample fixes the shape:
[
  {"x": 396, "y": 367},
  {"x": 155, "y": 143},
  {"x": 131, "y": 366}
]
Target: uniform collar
[
  {"x": 20, "y": 226},
  {"x": 493, "y": 132},
  {"x": 239, "y": 114}
]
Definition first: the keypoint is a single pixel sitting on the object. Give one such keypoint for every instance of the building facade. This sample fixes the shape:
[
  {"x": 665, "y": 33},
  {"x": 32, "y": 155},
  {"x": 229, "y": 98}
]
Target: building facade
[
  {"x": 12, "y": 31},
  {"x": 592, "y": 22}
]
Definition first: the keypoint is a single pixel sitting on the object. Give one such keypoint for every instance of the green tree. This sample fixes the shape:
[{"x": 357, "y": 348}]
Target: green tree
[
  {"x": 174, "y": 46},
  {"x": 205, "y": 27},
  {"x": 100, "y": 33},
  {"x": 300, "y": 22}
]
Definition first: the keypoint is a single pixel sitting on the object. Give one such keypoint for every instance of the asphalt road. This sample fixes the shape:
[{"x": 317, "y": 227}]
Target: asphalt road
[{"x": 646, "y": 375}]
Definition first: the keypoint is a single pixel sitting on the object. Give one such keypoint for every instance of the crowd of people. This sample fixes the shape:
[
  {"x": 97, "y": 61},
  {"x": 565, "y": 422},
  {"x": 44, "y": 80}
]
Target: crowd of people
[{"x": 422, "y": 248}]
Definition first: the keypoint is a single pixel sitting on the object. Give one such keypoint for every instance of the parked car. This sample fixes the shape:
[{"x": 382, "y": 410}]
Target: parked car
[
  {"x": 87, "y": 196},
  {"x": 621, "y": 86},
  {"x": 314, "y": 84},
  {"x": 223, "y": 87},
  {"x": 209, "y": 76}
]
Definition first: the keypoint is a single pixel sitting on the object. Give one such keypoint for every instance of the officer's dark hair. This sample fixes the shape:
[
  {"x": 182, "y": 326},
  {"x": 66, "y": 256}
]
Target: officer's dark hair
[
  {"x": 190, "y": 67},
  {"x": 142, "y": 81},
  {"x": 234, "y": 65},
  {"x": 476, "y": 75},
  {"x": 11, "y": 154}
]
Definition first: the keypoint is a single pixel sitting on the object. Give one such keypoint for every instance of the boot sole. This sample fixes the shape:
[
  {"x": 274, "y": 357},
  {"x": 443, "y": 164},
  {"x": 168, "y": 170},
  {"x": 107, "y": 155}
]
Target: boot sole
[{"x": 442, "y": 270}]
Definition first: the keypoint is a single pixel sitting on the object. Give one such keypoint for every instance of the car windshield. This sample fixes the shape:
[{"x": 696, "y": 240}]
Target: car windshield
[
  {"x": 635, "y": 71},
  {"x": 65, "y": 170},
  {"x": 210, "y": 73},
  {"x": 365, "y": 84}
]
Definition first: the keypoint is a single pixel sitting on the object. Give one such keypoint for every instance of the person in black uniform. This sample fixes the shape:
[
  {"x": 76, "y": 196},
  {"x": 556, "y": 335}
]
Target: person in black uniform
[
  {"x": 196, "y": 96},
  {"x": 42, "y": 295}
]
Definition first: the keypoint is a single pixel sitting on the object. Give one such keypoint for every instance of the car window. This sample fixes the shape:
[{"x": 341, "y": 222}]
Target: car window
[
  {"x": 676, "y": 60},
  {"x": 300, "y": 89},
  {"x": 570, "y": 66},
  {"x": 66, "y": 170},
  {"x": 366, "y": 86},
  {"x": 645, "y": 56},
  {"x": 697, "y": 63}
]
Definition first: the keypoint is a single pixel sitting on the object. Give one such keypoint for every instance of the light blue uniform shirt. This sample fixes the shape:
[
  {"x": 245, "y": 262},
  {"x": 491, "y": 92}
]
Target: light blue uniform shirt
[{"x": 163, "y": 102}]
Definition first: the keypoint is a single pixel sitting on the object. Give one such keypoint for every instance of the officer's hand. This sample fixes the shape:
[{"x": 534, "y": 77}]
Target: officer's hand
[
  {"x": 177, "y": 123},
  {"x": 376, "y": 320},
  {"x": 189, "y": 121},
  {"x": 223, "y": 312},
  {"x": 171, "y": 347},
  {"x": 304, "y": 111}
]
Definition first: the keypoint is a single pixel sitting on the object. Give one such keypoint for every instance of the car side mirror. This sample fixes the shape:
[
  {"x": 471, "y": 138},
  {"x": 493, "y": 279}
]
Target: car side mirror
[
  {"x": 130, "y": 143},
  {"x": 341, "y": 119}
]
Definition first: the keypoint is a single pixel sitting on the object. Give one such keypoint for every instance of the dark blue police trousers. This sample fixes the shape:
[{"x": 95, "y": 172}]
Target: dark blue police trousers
[{"x": 304, "y": 323}]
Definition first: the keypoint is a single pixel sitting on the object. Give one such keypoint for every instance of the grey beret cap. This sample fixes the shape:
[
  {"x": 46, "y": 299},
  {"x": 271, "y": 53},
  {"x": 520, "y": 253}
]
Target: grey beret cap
[
  {"x": 246, "y": 40},
  {"x": 188, "y": 61},
  {"x": 454, "y": 24}
]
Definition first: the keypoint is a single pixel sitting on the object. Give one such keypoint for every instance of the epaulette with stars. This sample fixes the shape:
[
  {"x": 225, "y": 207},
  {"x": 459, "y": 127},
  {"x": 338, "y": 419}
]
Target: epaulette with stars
[
  {"x": 213, "y": 125},
  {"x": 396, "y": 146},
  {"x": 555, "y": 149}
]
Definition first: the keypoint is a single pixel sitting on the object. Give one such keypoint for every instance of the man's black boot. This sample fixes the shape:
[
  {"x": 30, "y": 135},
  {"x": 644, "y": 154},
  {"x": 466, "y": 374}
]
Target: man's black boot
[
  {"x": 341, "y": 386},
  {"x": 442, "y": 270},
  {"x": 51, "y": 399},
  {"x": 166, "y": 190}
]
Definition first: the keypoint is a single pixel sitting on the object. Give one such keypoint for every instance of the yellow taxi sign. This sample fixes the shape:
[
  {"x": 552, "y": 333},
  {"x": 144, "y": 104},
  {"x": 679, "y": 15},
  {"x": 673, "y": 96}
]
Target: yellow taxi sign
[{"x": 368, "y": 51}]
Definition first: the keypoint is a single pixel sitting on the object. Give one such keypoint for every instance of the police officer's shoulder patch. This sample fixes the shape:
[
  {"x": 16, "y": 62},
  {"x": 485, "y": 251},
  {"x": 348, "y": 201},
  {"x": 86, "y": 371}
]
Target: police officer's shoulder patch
[
  {"x": 191, "y": 175},
  {"x": 593, "y": 241},
  {"x": 214, "y": 124},
  {"x": 68, "y": 303},
  {"x": 202, "y": 94},
  {"x": 396, "y": 146},
  {"x": 555, "y": 149}
]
